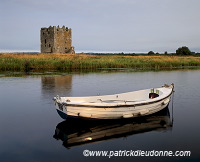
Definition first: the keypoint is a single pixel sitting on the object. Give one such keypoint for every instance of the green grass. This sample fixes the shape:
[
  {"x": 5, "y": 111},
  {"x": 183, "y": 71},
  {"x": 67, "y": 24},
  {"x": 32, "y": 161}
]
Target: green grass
[{"x": 64, "y": 62}]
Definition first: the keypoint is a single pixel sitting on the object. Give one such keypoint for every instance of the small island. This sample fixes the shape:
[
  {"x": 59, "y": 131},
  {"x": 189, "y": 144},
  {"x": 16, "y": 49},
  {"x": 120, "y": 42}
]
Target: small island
[{"x": 78, "y": 62}]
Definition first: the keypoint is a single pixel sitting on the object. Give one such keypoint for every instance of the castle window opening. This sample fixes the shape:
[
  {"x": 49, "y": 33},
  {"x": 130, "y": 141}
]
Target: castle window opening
[{"x": 45, "y": 41}]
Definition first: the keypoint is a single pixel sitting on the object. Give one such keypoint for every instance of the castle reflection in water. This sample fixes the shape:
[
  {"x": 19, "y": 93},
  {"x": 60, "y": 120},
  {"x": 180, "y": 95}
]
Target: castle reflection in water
[{"x": 54, "y": 85}]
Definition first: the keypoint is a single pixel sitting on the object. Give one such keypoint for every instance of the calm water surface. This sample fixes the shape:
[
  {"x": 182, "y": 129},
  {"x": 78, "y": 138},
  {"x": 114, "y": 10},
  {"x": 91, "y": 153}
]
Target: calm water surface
[{"x": 31, "y": 129}]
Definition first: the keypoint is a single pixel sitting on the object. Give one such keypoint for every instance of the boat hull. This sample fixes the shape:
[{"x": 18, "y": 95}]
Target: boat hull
[
  {"x": 111, "y": 113},
  {"x": 66, "y": 110}
]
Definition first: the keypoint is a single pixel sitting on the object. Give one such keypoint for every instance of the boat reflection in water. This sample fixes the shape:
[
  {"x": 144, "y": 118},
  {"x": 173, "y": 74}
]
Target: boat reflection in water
[{"x": 75, "y": 132}]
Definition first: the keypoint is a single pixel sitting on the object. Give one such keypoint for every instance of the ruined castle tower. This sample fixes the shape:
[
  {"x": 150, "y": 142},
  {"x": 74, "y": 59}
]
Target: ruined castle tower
[{"x": 56, "y": 40}]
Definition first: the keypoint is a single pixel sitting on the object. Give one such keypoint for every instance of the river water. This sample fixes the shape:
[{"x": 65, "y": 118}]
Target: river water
[{"x": 31, "y": 129}]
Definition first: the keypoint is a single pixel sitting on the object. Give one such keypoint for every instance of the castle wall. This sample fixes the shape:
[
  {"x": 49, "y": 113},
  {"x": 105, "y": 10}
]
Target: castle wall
[
  {"x": 56, "y": 40},
  {"x": 47, "y": 40}
]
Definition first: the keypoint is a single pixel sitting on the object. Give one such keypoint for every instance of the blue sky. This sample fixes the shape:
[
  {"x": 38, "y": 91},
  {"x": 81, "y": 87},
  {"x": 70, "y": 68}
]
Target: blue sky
[{"x": 103, "y": 25}]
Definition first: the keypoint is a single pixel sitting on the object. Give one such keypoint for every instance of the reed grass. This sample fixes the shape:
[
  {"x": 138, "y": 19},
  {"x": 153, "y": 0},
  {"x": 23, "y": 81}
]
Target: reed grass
[{"x": 70, "y": 62}]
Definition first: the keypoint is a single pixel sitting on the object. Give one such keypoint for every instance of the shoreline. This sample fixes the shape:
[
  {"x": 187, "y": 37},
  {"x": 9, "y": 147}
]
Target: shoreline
[{"x": 75, "y": 62}]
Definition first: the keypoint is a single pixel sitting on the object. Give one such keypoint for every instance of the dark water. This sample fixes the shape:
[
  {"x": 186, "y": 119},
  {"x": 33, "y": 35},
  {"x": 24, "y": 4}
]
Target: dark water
[{"x": 28, "y": 119}]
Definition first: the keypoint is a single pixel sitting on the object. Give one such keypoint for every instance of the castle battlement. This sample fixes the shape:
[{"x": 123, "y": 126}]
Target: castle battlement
[
  {"x": 58, "y": 28},
  {"x": 56, "y": 40}
]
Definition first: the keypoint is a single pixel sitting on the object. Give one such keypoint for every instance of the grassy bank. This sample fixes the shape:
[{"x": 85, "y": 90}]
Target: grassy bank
[{"x": 63, "y": 62}]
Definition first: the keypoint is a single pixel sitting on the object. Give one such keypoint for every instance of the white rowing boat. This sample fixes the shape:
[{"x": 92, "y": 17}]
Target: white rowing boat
[{"x": 123, "y": 105}]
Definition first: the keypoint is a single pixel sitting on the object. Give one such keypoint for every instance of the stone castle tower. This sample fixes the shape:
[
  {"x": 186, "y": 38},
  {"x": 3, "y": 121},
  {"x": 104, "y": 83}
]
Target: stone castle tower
[{"x": 56, "y": 40}]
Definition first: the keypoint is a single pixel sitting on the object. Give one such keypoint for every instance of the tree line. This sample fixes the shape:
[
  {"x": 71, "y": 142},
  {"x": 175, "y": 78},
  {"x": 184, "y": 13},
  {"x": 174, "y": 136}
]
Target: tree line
[{"x": 180, "y": 51}]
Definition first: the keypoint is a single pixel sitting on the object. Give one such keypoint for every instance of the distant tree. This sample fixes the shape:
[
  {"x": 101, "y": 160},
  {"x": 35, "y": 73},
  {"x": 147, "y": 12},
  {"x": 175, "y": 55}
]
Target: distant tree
[
  {"x": 151, "y": 53},
  {"x": 166, "y": 53},
  {"x": 122, "y": 53},
  {"x": 183, "y": 51}
]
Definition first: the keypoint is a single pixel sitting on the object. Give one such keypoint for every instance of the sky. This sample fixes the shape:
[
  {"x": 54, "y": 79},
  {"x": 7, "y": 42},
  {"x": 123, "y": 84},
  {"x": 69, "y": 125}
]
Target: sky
[{"x": 103, "y": 25}]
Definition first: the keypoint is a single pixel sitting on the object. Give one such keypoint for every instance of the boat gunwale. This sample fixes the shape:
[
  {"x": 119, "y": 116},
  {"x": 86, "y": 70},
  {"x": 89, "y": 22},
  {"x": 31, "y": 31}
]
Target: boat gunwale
[{"x": 119, "y": 106}]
